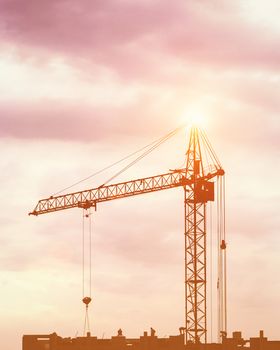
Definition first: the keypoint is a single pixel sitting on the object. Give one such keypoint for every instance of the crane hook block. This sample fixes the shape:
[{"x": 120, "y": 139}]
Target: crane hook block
[
  {"x": 86, "y": 300},
  {"x": 223, "y": 244}
]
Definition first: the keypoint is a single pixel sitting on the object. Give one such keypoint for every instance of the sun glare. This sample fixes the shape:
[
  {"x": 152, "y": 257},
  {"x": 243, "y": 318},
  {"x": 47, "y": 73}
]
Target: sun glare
[
  {"x": 193, "y": 118},
  {"x": 197, "y": 120}
]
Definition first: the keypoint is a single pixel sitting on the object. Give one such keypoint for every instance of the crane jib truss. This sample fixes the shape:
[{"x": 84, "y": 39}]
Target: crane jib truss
[
  {"x": 89, "y": 198},
  {"x": 198, "y": 190}
]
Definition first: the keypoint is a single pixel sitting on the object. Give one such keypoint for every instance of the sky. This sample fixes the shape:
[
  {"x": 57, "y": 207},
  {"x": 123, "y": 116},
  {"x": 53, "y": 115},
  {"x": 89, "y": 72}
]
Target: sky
[{"x": 85, "y": 83}]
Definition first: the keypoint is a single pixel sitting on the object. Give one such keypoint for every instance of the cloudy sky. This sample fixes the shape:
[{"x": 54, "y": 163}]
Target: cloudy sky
[{"x": 83, "y": 84}]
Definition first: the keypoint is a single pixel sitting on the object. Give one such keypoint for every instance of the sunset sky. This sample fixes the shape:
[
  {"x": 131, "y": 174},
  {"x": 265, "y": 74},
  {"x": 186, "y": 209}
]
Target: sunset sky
[{"x": 83, "y": 84}]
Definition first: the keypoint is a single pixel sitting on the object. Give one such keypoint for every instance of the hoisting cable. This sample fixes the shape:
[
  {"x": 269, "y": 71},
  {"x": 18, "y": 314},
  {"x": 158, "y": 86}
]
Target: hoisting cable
[
  {"x": 157, "y": 142},
  {"x": 87, "y": 292},
  {"x": 218, "y": 264},
  {"x": 222, "y": 286},
  {"x": 83, "y": 254},
  {"x": 221, "y": 277},
  {"x": 225, "y": 254},
  {"x": 86, "y": 322}
]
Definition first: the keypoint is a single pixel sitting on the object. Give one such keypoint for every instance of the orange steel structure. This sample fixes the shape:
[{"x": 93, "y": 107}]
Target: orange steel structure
[{"x": 198, "y": 190}]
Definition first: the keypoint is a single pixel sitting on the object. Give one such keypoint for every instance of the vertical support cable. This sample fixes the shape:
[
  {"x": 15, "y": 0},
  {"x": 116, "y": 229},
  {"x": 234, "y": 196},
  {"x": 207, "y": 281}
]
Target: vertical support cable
[
  {"x": 90, "y": 249},
  {"x": 222, "y": 276},
  {"x": 221, "y": 257},
  {"x": 225, "y": 254},
  {"x": 219, "y": 282},
  {"x": 87, "y": 256},
  {"x": 83, "y": 253}
]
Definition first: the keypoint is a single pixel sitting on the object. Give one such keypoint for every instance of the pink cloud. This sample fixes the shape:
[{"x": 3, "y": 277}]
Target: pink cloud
[
  {"x": 50, "y": 119},
  {"x": 132, "y": 38}
]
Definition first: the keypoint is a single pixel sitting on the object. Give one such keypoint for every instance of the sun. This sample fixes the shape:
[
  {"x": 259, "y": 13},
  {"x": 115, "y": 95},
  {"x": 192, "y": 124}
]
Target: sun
[
  {"x": 197, "y": 120},
  {"x": 193, "y": 118}
]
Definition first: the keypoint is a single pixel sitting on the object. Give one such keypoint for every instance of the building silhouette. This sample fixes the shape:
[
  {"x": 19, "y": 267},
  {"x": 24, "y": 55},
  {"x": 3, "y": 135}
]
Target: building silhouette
[{"x": 145, "y": 342}]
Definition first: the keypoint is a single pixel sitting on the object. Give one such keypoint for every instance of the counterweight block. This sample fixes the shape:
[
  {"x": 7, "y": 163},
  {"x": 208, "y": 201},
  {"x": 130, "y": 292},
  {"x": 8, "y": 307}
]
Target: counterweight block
[{"x": 204, "y": 192}]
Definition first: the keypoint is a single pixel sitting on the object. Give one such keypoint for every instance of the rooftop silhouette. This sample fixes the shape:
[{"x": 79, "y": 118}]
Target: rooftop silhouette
[{"x": 146, "y": 342}]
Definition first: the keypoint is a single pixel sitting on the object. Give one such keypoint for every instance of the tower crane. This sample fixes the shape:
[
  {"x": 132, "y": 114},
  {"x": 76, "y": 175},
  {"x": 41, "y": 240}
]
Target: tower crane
[{"x": 197, "y": 181}]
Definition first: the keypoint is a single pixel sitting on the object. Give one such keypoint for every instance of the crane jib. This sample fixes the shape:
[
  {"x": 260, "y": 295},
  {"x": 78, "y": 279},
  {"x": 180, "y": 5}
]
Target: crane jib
[{"x": 89, "y": 198}]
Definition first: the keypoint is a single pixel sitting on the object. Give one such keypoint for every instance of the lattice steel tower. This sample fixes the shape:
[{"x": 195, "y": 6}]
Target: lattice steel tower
[{"x": 199, "y": 191}]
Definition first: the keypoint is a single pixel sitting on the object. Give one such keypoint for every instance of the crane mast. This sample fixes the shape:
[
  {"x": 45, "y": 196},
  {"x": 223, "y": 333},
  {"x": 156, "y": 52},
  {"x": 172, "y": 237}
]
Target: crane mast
[
  {"x": 201, "y": 190},
  {"x": 198, "y": 190}
]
